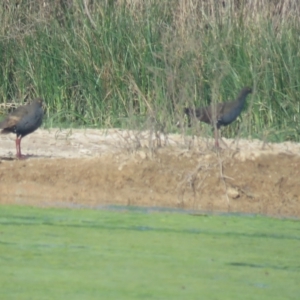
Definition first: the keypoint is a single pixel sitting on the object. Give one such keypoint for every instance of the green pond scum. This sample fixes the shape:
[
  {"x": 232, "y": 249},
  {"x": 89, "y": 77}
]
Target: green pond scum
[{"x": 48, "y": 253}]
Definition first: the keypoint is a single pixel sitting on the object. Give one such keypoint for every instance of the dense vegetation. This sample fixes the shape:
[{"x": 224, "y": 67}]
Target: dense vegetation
[{"x": 136, "y": 64}]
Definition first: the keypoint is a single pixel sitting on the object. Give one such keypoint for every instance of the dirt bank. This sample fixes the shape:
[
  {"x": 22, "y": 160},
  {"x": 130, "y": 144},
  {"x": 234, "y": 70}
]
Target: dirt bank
[{"x": 96, "y": 167}]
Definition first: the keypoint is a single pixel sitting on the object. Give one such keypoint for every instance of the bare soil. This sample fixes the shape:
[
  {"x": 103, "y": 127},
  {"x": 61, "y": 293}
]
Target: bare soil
[{"x": 96, "y": 167}]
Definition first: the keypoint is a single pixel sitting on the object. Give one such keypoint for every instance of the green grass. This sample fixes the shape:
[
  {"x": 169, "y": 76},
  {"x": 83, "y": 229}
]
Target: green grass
[
  {"x": 137, "y": 64},
  {"x": 95, "y": 254}
]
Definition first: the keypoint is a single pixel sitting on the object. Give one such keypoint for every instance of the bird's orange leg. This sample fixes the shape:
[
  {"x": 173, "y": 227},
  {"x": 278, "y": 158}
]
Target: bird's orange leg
[
  {"x": 18, "y": 147},
  {"x": 217, "y": 138}
]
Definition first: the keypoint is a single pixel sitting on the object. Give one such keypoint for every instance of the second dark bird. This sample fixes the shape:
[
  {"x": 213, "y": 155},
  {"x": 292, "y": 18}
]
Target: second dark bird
[
  {"x": 220, "y": 114},
  {"x": 23, "y": 121}
]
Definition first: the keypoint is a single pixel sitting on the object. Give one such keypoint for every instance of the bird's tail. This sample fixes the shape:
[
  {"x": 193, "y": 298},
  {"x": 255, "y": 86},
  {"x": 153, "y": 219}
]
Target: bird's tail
[
  {"x": 2, "y": 125},
  {"x": 5, "y": 131},
  {"x": 189, "y": 112}
]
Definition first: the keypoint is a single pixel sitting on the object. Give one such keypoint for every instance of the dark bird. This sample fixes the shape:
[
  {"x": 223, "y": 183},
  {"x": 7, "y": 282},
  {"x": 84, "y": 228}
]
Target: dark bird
[
  {"x": 22, "y": 121},
  {"x": 220, "y": 114}
]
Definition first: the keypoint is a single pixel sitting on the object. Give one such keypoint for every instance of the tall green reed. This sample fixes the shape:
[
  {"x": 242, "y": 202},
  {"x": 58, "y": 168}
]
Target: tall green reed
[{"x": 137, "y": 64}]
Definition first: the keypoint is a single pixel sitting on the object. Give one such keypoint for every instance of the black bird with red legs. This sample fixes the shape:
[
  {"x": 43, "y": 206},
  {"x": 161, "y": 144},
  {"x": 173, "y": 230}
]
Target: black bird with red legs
[
  {"x": 220, "y": 114},
  {"x": 23, "y": 121}
]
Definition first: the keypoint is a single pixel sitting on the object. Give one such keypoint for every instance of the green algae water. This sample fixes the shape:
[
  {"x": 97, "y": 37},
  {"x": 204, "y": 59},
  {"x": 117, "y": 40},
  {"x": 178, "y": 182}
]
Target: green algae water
[{"x": 136, "y": 254}]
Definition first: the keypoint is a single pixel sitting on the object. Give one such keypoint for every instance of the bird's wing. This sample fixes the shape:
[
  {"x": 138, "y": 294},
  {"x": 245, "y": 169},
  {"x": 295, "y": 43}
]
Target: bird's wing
[
  {"x": 221, "y": 109},
  {"x": 212, "y": 113},
  {"x": 9, "y": 122},
  {"x": 229, "y": 106},
  {"x": 204, "y": 114},
  {"x": 14, "y": 117}
]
